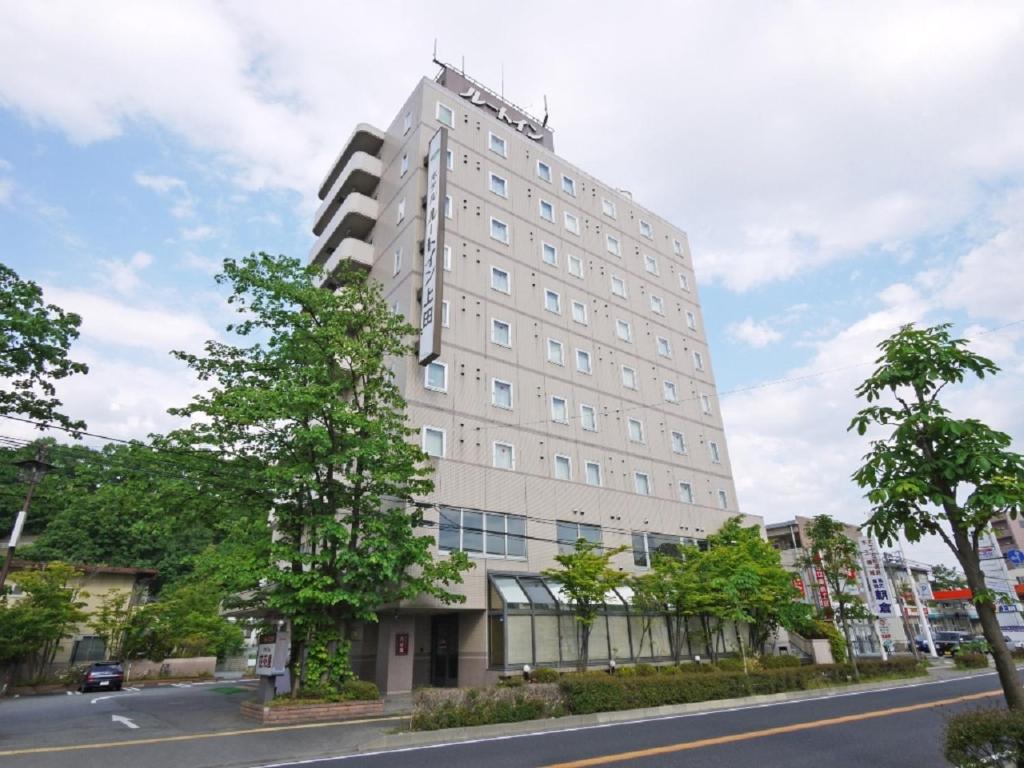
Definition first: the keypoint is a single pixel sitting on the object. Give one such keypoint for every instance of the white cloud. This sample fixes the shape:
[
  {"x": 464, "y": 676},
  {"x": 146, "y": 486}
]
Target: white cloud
[
  {"x": 202, "y": 263},
  {"x": 161, "y": 184},
  {"x": 201, "y": 232},
  {"x": 123, "y": 276},
  {"x": 753, "y": 333},
  {"x": 6, "y": 188}
]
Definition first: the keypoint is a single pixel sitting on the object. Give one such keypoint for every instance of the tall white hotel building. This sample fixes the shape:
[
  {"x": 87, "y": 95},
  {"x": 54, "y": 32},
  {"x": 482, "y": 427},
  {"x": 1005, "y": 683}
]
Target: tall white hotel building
[{"x": 570, "y": 392}]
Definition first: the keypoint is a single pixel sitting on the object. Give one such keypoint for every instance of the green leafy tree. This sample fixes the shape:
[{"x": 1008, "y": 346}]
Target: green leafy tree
[
  {"x": 35, "y": 340},
  {"x": 838, "y": 557},
  {"x": 308, "y": 399},
  {"x": 185, "y": 622},
  {"x": 111, "y": 619},
  {"x": 586, "y": 575},
  {"x": 670, "y": 588},
  {"x": 936, "y": 474},
  {"x": 946, "y": 577}
]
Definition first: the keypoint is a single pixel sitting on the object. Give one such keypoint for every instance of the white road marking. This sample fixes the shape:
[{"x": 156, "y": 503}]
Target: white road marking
[
  {"x": 111, "y": 696},
  {"x": 123, "y": 720},
  {"x": 132, "y": 688},
  {"x": 181, "y": 685}
]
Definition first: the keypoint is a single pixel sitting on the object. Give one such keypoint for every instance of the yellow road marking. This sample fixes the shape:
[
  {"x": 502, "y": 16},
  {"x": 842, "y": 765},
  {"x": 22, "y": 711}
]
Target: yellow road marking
[
  {"x": 688, "y": 745},
  {"x": 194, "y": 736}
]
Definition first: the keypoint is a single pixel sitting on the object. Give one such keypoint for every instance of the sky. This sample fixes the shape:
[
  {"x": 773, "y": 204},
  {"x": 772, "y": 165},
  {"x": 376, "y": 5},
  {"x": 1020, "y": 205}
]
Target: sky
[{"x": 840, "y": 169}]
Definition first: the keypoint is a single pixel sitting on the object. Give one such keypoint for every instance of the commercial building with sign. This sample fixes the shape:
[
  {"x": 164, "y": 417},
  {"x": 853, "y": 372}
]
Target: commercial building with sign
[{"x": 563, "y": 386}]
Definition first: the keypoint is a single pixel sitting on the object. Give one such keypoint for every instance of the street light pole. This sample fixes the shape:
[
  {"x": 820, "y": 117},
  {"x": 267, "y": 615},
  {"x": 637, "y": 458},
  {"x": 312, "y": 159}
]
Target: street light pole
[
  {"x": 35, "y": 469},
  {"x": 921, "y": 615}
]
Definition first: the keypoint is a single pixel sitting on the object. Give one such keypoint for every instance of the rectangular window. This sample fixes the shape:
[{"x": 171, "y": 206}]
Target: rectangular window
[
  {"x": 450, "y": 160},
  {"x": 629, "y": 377},
  {"x": 552, "y": 301},
  {"x": 677, "y": 248},
  {"x": 398, "y": 263},
  {"x": 568, "y": 185},
  {"x": 404, "y": 169},
  {"x": 691, "y": 320},
  {"x": 445, "y": 115},
  {"x": 607, "y": 207},
  {"x": 670, "y": 392},
  {"x": 504, "y": 456},
  {"x": 396, "y": 307},
  {"x": 556, "y": 352},
  {"x": 445, "y": 315},
  {"x": 579, "y": 312},
  {"x": 723, "y": 499},
  {"x": 406, "y": 123},
  {"x": 645, "y": 229},
  {"x": 684, "y": 282},
  {"x": 618, "y": 287},
  {"x": 432, "y": 441},
  {"x": 435, "y": 377},
  {"x": 447, "y": 258},
  {"x": 651, "y": 263},
  {"x": 588, "y": 417},
  {"x": 547, "y": 211},
  {"x": 543, "y": 171},
  {"x": 497, "y": 145},
  {"x": 647, "y": 545},
  {"x": 613, "y": 246},
  {"x": 698, "y": 361},
  {"x": 636, "y": 430},
  {"x": 657, "y": 304},
  {"x": 593, "y": 473},
  {"x": 583, "y": 361},
  {"x": 642, "y": 483},
  {"x": 400, "y": 212},
  {"x": 685, "y": 492},
  {"x": 477, "y": 532},
  {"x": 678, "y": 442},
  {"x": 563, "y": 467},
  {"x": 448, "y": 206},
  {"x": 498, "y": 185},
  {"x": 576, "y": 266},
  {"x": 501, "y": 332},
  {"x": 500, "y": 280},
  {"x": 549, "y": 254},
  {"x": 499, "y": 230},
  {"x": 501, "y": 393},
  {"x": 559, "y": 409},
  {"x": 623, "y": 330},
  {"x": 568, "y": 533},
  {"x": 716, "y": 457},
  {"x": 664, "y": 347},
  {"x": 705, "y": 404},
  {"x": 572, "y": 223}
]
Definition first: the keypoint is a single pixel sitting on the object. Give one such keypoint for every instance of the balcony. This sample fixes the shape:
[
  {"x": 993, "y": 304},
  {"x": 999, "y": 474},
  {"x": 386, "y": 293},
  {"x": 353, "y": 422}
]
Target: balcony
[
  {"x": 365, "y": 138},
  {"x": 351, "y": 250},
  {"x": 361, "y": 174},
  {"x": 354, "y": 219}
]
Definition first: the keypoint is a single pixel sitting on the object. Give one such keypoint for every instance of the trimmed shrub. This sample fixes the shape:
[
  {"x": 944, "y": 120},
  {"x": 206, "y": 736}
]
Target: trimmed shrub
[
  {"x": 985, "y": 738},
  {"x": 970, "y": 660},
  {"x": 1017, "y": 653},
  {"x": 512, "y": 682},
  {"x": 459, "y": 707},
  {"x": 544, "y": 675},
  {"x": 731, "y": 664},
  {"x": 779, "y": 662},
  {"x": 350, "y": 690}
]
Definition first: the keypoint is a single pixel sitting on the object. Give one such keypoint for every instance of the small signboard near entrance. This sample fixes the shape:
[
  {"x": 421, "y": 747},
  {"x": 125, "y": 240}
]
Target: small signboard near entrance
[{"x": 402, "y": 644}]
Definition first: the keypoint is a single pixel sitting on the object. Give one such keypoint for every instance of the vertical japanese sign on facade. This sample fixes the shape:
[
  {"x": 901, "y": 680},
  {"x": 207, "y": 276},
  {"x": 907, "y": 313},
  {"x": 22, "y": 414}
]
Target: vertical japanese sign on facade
[
  {"x": 433, "y": 248},
  {"x": 881, "y": 597}
]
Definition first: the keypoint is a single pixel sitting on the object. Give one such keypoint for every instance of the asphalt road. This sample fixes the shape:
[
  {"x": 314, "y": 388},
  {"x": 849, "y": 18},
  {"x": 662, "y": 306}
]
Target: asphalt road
[{"x": 199, "y": 726}]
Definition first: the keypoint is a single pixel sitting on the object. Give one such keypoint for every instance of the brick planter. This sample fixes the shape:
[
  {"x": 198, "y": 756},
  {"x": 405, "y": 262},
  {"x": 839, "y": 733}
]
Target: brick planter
[{"x": 311, "y": 713}]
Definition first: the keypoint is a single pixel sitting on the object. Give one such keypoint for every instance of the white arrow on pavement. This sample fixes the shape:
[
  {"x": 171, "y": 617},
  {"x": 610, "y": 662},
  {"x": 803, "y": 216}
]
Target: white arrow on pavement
[{"x": 123, "y": 721}]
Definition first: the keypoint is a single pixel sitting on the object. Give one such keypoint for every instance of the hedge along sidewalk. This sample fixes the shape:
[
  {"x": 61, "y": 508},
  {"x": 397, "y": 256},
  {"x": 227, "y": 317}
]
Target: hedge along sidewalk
[{"x": 569, "y": 722}]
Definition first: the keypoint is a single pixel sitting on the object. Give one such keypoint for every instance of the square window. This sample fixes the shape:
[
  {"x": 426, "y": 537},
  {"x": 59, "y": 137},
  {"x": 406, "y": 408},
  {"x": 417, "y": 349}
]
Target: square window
[
  {"x": 576, "y": 266},
  {"x": 500, "y": 280},
  {"x": 549, "y": 254},
  {"x": 435, "y": 377},
  {"x": 568, "y": 185},
  {"x": 698, "y": 361},
  {"x": 398, "y": 263},
  {"x": 501, "y": 393},
  {"x": 501, "y": 332},
  {"x": 448, "y": 206},
  {"x": 618, "y": 287},
  {"x": 447, "y": 258},
  {"x": 588, "y": 418},
  {"x": 559, "y": 409},
  {"x": 497, "y": 145},
  {"x": 583, "y": 361},
  {"x": 579, "y": 312},
  {"x": 723, "y": 499},
  {"x": 445, "y": 315},
  {"x": 499, "y": 230},
  {"x": 645, "y": 229},
  {"x": 547, "y": 211},
  {"x": 636, "y": 430},
  {"x": 668, "y": 389},
  {"x": 607, "y": 207},
  {"x": 556, "y": 352},
  {"x": 406, "y": 123},
  {"x": 613, "y": 246},
  {"x": 449, "y": 157},
  {"x": 651, "y": 263},
  {"x": 685, "y": 492},
  {"x": 628, "y": 377},
  {"x": 571, "y": 222},
  {"x": 593, "y": 472},
  {"x": 504, "y": 456},
  {"x": 678, "y": 442},
  {"x": 498, "y": 185},
  {"x": 445, "y": 115},
  {"x": 563, "y": 467},
  {"x": 623, "y": 330},
  {"x": 433, "y": 441},
  {"x": 691, "y": 320},
  {"x": 705, "y": 404},
  {"x": 400, "y": 212},
  {"x": 716, "y": 456},
  {"x": 642, "y": 483},
  {"x": 664, "y": 347},
  {"x": 657, "y": 304},
  {"x": 405, "y": 166},
  {"x": 677, "y": 248},
  {"x": 684, "y": 282},
  {"x": 396, "y": 307},
  {"x": 543, "y": 171},
  {"x": 552, "y": 302}
]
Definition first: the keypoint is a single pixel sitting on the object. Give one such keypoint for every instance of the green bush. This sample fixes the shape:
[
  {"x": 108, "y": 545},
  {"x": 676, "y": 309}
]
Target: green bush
[
  {"x": 730, "y": 664},
  {"x": 970, "y": 660},
  {"x": 350, "y": 690},
  {"x": 435, "y": 709},
  {"x": 1017, "y": 653},
  {"x": 984, "y": 738},
  {"x": 974, "y": 646},
  {"x": 512, "y": 682},
  {"x": 544, "y": 675},
  {"x": 779, "y": 662}
]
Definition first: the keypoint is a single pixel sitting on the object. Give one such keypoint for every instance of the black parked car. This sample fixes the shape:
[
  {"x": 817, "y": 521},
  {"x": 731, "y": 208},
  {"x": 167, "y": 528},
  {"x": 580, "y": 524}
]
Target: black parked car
[
  {"x": 108, "y": 675},
  {"x": 949, "y": 642}
]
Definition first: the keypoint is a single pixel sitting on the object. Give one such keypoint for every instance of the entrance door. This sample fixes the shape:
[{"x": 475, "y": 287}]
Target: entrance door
[{"x": 444, "y": 650}]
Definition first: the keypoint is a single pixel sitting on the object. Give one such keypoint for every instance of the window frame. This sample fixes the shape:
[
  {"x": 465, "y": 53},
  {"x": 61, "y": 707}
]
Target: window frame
[
  {"x": 637, "y": 474},
  {"x": 583, "y": 421},
  {"x": 590, "y": 362},
  {"x": 651, "y": 264},
  {"x": 621, "y": 324},
  {"x": 633, "y": 375},
  {"x": 688, "y": 497},
  {"x": 576, "y": 303},
  {"x": 495, "y": 381},
  {"x": 450, "y": 110},
  {"x": 512, "y": 455},
  {"x": 646, "y": 230},
  {"x": 426, "y": 376},
  {"x": 424, "y": 429},
  {"x": 668, "y": 387},
  {"x": 667, "y": 353},
  {"x": 508, "y": 279},
  {"x": 484, "y": 534},
  {"x": 714, "y": 452},
  {"x": 678, "y": 445},
  {"x": 586, "y": 473},
  {"x": 541, "y": 176},
  {"x": 491, "y": 138},
  {"x": 608, "y": 208},
  {"x": 617, "y": 250},
  {"x": 495, "y": 321},
  {"x": 541, "y": 202},
  {"x": 565, "y": 406},
  {"x": 578, "y": 260},
  {"x": 630, "y": 422},
  {"x": 568, "y": 465},
  {"x": 544, "y": 246},
  {"x": 549, "y": 293},
  {"x": 660, "y": 308},
  {"x": 568, "y": 216},
  {"x": 570, "y": 188},
  {"x": 615, "y": 279},
  {"x": 508, "y": 231},
  {"x": 491, "y": 177},
  {"x": 561, "y": 352}
]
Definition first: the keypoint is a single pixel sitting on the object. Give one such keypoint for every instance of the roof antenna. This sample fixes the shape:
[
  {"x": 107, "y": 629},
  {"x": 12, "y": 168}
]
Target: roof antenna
[
  {"x": 463, "y": 65},
  {"x": 503, "y": 81},
  {"x": 545, "y": 123}
]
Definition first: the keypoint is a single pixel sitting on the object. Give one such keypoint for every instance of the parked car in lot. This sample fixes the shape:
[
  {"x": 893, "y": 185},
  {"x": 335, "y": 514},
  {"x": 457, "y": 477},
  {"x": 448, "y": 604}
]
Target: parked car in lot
[
  {"x": 949, "y": 642},
  {"x": 105, "y": 675}
]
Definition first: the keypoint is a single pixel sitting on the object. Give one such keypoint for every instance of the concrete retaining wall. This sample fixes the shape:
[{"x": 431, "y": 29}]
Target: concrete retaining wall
[
  {"x": 197, "y": 666},
  {"x": 311, "y": 713}
]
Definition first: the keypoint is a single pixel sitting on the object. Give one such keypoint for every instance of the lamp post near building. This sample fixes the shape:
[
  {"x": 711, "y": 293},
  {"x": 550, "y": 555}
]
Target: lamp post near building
[{"x": 33, "y": 471}]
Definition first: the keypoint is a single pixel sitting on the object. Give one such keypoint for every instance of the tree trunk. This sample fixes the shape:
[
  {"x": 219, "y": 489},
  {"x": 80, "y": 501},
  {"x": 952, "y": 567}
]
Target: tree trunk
[
  {"x": 584, "y": 639},
  {"x": 849, "y": 647},
  {"x": 743, "y": 654}
]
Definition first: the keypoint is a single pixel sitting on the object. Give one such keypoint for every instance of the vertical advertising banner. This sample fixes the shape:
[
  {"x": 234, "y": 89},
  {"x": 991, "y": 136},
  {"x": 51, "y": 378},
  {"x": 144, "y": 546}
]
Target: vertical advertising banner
[
  {"x": 433, "y": 248},
  {"x": 997, "y": 578},
  {"x": 881, "y": 598}
]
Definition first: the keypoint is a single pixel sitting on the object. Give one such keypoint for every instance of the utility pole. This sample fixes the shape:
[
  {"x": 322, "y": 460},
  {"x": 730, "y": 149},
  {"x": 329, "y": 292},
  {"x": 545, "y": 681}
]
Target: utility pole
[
  {"x": 921, "y": 615},
  {"x": 34, "y": 470}
]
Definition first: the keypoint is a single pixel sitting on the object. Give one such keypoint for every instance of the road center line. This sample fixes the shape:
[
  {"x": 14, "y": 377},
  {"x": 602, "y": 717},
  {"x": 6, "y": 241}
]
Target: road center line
[{"x": 747, "y": 736}]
